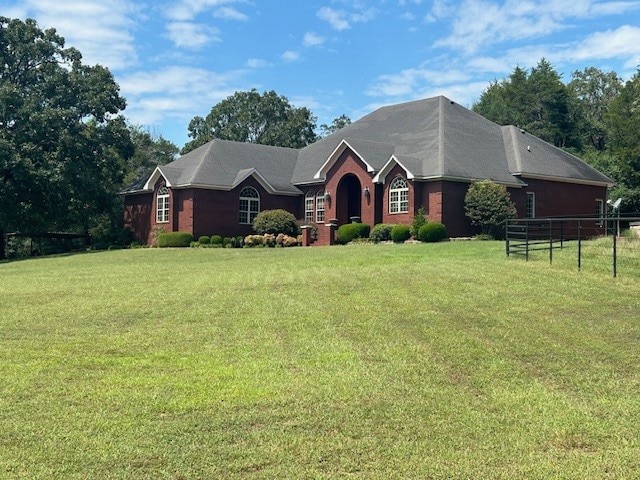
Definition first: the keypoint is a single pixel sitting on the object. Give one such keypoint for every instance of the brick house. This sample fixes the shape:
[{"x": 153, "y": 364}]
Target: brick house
[{"x": 380, "y": 169}]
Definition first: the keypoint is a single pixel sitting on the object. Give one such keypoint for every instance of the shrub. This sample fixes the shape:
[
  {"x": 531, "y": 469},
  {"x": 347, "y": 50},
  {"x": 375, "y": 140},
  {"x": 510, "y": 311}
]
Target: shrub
[
  {"x": 253, "y": 240},
  {"x": 381, "y": 232},
  {"x": 226, "y": 242},
  {"x": 174, "y": 239},
  {"x": 286, "y": 240},
  {"x": 351, "y": 231},
  {"x": 237, "y": 242},
  {"x": 432, "y": 232},
  {"x": 276, "y": 221},
  {"x": 400, "y": 233},
  {"x": 216, "y": 240},
  {"x": 204, "y": 240},
  {"x": 488, "y": 205},
  {"x": 419, "y": 220}
]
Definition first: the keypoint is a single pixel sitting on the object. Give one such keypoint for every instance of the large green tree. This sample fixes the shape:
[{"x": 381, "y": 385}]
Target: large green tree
[
  {"x": 62, "y": 142},
  {"x": 623, "y": 126},
  {"x": 149, "y": 151},
  {"x": 596, "y": 91},
  {"x": 267, "y": 118},
  {"x": 337, "y": 124},
  {"x": 537, "y": 101}
]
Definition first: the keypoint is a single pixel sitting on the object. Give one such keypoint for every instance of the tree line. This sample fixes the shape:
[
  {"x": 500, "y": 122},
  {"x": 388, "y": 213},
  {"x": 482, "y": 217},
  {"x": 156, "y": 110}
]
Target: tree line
[
  {"x": 595, "y": 115},
  {"x": 66, "y": 150}
]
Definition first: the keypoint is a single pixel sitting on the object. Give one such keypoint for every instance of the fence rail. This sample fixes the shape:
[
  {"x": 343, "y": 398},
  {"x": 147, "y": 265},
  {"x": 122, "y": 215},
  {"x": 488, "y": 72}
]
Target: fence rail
[{"x": 527, "y": 235}]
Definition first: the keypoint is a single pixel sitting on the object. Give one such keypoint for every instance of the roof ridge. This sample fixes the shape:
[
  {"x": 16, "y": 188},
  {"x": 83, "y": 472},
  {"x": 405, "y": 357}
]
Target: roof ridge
[
  {"x": 514, "y": 146},
  {"x": 441, "y": 134},
  {"x": 202, "y": 159}
]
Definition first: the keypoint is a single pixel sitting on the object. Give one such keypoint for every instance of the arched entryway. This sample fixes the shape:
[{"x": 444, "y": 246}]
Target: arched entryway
[{"x": 349, "y": 199}]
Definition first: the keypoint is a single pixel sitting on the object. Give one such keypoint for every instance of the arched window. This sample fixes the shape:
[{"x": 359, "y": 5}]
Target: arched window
[
  {"x": 320, "y": 206},
  {"x": 308, "y": 206},
  {"x": 162, "y": 205},
  {"x": 398, "y": 196},
  {"x": 249, "y": 205}
]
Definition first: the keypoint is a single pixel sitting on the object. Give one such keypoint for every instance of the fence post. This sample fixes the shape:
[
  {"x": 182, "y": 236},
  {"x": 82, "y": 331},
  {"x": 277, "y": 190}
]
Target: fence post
[
  {"x": 579, "y": 244},
  {"x": 615, "y": 256}
]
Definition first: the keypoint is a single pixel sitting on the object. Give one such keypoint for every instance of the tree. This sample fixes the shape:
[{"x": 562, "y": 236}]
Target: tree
[
  {"x": 149, "y": 151},
  {"x": 62, "y": 144},
  {"x": 337, "y": 124},
  {"x": 268, "y": 119},
  {"x": 595, "y": 91},
  {"x": 623, "y": 120},
  {"x": 488, "y": 205},
  {"x": 538, "y": 102}
]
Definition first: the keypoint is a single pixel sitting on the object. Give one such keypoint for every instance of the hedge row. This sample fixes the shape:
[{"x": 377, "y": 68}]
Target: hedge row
[{"x": 174, "y": 239}]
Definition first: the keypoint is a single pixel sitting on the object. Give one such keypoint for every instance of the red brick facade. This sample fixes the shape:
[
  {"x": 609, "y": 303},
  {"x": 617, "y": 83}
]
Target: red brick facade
[{"x": 349, "y": 192}]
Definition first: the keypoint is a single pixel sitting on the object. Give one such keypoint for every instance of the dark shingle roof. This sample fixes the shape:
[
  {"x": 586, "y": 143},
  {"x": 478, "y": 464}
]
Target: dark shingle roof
[{"x": 431, "y": 138}]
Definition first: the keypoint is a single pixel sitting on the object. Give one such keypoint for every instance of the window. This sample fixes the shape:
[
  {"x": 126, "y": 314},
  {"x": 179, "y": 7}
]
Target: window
[
  {"x": 249, "y": 205},
  {"x": 531, "y": 205},
  {"x": 599, "y": 210},
  {"x": 320, "y": 206},
  {"x": 398, "y": 196},
  {"x": 308, "y": 207},
  {"x": 162, "y": 205}
]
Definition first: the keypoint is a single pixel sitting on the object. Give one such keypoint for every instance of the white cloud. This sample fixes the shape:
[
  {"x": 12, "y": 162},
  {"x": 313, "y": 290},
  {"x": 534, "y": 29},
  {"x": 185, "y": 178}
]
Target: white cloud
[
  {"x": 101, "y": 32},
  {"x": 229, "y": 13},
  {"x": 185, "y": 10},
  {"x": 290, "y": 56},
  {"x": 342, "y": 20},
  {"x": 192, "y": 35},
  {"x": 337, "y": 19},
  {"x": 477, "y": 23},
  {"x": 409, "y": 80},
  {"x": 624, "y": 42},
  {"x": 175, "y": 92},
  {"x": 312, "y": 39},
  {"x": 257, "y": 63}
]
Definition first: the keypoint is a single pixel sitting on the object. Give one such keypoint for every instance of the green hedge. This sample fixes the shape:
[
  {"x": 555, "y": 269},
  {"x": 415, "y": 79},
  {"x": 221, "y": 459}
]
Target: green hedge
[
  {"x": 400, "y": 233},
  {"x": 350, "y": 231},
  {"x": 204, "y": 240},
  {"x": 216, "y": 239},
  {"x": 381, "y": 232},
  {"x": 174, "y": 239},
  {"x": 432, "y": 232}
]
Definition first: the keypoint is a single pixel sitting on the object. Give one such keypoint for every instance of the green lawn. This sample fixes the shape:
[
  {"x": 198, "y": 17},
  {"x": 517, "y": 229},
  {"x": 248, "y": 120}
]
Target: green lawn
[{"x": 369, "y": 361}]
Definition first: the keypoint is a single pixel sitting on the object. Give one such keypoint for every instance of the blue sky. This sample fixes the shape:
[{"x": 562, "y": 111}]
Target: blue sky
[{"x": 175, "y": 59}]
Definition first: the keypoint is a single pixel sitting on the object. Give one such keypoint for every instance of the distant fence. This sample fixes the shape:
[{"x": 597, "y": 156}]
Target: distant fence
[
  {"x": 23, "y": 244},
  {"x": 527, "y": 235}
]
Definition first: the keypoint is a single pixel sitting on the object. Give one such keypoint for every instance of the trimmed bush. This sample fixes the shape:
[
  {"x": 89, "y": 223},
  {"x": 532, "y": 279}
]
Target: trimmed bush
[
  {"x": 381, "y": 232},
  {"x": 237, "y": 242},
  {"x": 275, "y": 222},
  {"x": 174, "y": 239},
  {"x": 432, "y": 232},
  {"x": 400, "y": 233},
  {"x": 419, "y": 220},
  {"x": 226, "y": 242},
  {"x": 216, "y": 240},
  {"x": 204, "y": 240},
  {"x": 351, "y": 231}
]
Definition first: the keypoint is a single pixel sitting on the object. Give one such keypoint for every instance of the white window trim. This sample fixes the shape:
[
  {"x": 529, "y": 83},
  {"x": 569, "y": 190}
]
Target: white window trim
[
  {"x": 309, "y": 206},
  {"x": 532, "y": 196},
  {"x": 162, "y": 205},
  {"x": 251, "y": 200},
  {"x": 320, "y": 206},
  {"x": 393, "y": 191},
  {"x": 600, "y": 205}
]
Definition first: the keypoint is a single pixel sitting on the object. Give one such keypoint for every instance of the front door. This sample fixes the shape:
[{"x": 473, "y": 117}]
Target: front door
[{"x": 349, "y": 199}]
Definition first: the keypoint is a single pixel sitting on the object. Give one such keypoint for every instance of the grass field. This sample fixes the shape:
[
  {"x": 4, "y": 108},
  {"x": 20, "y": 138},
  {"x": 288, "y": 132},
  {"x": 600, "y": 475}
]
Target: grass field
[{"x": 368, "y": 361}]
